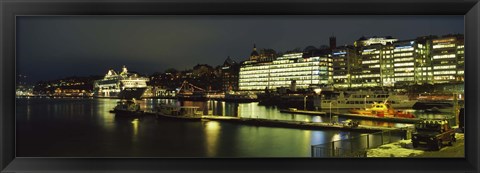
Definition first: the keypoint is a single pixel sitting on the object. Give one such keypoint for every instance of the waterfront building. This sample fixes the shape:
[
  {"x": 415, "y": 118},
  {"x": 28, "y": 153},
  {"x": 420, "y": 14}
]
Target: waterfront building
[
  {"x": 404, "y": 54},
  {"x": 370, "y": 67},
  {"x": 448, "y": 59},
  {"x": 374, "y": 67},
  {"x": 423, "y": 60},
  {"x": 285, "y": 70},
  {"x": 376, "y": 62},
  {"x": 387, "y": 66},
  {"x": 344, "y": 64}
]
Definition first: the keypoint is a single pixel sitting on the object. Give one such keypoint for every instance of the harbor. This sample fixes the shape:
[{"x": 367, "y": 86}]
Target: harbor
[{"x": 317, "y": 102}]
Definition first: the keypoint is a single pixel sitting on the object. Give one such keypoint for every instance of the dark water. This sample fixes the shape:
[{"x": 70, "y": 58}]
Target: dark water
[
  {"x": 85, "y": 128},
  {"x": 69, "y": 127}
]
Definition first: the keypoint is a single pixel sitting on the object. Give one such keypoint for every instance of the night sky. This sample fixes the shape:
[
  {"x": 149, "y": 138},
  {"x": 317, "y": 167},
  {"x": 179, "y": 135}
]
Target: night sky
[{"x": 51, "y": 47}]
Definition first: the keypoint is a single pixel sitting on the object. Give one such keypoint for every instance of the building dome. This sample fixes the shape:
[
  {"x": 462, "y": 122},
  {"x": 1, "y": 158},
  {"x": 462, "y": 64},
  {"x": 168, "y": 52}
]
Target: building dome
[{"x": 254, "y": 53}]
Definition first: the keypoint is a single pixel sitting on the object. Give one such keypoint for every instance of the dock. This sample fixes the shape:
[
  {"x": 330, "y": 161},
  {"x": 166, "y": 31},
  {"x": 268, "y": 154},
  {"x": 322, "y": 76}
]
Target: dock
[
  {"x": 356, "y": 116},
  {"x": 274, "y": 123},
  {"x": 296, "y": 124}
]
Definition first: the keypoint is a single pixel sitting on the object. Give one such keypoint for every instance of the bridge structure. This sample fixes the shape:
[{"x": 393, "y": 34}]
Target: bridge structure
[{"x": 191, "y": 92}]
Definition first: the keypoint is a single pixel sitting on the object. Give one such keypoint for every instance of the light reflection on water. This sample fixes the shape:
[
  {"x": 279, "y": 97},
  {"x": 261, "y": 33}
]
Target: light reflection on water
[
  {"x": 84, "y": 127},
  {"x": 212, "y": 130}
]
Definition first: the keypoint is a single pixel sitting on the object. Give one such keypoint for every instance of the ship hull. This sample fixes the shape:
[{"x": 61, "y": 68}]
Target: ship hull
[
  {"x": 131, "y": 93},
  {"x": 128, "y": 93},
  {"x": 407, "y": 104}
]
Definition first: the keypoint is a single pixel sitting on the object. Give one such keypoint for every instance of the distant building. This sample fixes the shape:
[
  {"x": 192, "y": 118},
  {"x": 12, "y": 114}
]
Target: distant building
[
  {"x": 22, "y": 88},
  {"x": 230, "y": 71},
  {"x": 333, "y": 43},
  {"x": 254, "y": 56},
  {"x": 67, "y": 87}
]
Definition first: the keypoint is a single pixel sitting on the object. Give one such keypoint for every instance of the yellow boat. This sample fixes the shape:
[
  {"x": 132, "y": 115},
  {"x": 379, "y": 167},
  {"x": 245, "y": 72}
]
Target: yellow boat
[{"x": 382, "y": 110}]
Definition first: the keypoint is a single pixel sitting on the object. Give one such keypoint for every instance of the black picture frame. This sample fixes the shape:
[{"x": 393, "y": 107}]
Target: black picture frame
[{"x": 11, "y": 8}]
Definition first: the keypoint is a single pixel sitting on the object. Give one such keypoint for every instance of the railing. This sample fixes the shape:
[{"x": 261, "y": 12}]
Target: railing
[{"x": 358, "y": 146}]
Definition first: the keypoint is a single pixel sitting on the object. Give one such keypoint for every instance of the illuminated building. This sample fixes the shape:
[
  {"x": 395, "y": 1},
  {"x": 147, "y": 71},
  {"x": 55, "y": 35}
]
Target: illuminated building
[
  {"x": 423, "y": 60},
  {"x": 370, "y": 67},
  {"x": 343, "y": 65},
  {"x": 377, "y": 62},
  {"x": 387, "y": 68},
  {"x": 448, "y": 59},
  {"x": 404, "y": 55},
  {"x": 281, "y": 72}
]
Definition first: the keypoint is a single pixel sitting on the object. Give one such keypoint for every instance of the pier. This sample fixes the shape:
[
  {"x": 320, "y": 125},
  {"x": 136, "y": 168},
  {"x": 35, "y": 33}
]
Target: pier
[
  {"x": 296, "y": 124},
  {"x": 277, "y": 123}
]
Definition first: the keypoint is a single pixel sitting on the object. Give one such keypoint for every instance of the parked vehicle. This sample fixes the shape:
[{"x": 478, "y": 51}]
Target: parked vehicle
[{"x": 433, "y": 134}]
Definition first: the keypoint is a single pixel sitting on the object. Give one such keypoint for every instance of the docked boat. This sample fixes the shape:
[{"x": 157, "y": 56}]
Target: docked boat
[
  {"x": 123, "y": 85},
  {"x": 381, "y": 110},
  {"x": 178, "y": 112},
  {"x": 362, "y": 99},
  {"x": 127, "y": 107}
]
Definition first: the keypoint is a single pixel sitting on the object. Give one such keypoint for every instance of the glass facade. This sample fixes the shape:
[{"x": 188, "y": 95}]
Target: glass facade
[
  {"x": 374, "y": 62},
  {"x": 285, "y": 69}
]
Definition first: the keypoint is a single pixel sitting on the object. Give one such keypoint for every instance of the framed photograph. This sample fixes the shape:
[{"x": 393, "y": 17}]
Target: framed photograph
[{"x": 186, "y": 86}]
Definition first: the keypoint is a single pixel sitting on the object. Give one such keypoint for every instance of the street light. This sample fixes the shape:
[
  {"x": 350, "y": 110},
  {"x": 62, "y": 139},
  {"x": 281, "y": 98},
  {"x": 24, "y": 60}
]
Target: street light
[{"x": 365, "y": 102}]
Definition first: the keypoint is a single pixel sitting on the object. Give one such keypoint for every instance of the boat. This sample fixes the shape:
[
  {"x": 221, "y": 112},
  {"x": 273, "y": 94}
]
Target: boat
[
  {"x": 178, "y": 112},
  {"x": 123, "y": 85},
  {"x": 362, "y": 99},
  {"x": 127, "y": 107},
  {"x": 381, "y": 110}
]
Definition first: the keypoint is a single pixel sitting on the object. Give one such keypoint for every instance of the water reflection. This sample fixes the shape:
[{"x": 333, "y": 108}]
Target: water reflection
[
  {"x": 212, "y": 131},
  {"x": 103, "y": 106},
  {"x": 135, "y": 127}
]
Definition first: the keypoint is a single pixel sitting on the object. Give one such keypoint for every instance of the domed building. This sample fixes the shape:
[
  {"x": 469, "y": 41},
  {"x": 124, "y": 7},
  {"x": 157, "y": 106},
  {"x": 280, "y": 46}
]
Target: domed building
[{"x": 254, "y": 55}]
